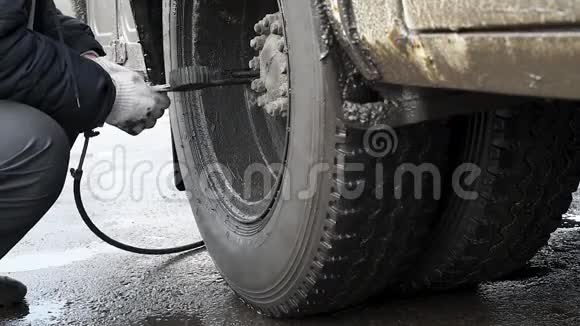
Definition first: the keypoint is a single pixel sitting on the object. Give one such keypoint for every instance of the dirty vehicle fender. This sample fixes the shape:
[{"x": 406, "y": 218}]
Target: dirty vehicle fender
[{"x": 522, "y": 48}]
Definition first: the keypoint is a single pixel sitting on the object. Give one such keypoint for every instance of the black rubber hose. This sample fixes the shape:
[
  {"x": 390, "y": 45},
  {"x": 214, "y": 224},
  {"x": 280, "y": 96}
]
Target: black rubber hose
[{"x": 78, "y": 176}]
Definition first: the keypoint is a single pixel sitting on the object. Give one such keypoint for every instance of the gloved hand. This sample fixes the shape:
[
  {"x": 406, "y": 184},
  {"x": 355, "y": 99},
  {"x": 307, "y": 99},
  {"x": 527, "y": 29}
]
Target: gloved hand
[{"x": 137, "y": 106}]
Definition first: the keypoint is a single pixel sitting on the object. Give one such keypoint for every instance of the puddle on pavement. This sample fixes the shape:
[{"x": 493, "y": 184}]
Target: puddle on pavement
[
  {"x": 569, "y": 224},
  {"x": 46, "y": 313},
  {"x": 172, "y": 321},
  {"x": 571, "y": 221},
  {"x": 37, "y": 261}
]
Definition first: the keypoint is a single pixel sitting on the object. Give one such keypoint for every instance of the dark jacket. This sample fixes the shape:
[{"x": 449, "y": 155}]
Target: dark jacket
[{"x": 37, "y": 69}]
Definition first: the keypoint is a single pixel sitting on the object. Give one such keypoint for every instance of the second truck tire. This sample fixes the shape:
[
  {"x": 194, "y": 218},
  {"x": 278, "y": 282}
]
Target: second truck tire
[{"x": 530, "y": 165}]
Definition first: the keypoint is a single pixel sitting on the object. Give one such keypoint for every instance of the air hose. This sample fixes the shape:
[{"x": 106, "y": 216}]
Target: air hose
[
  {"x": 78, "y": 176},
  {"x": 184, "y": 79}
]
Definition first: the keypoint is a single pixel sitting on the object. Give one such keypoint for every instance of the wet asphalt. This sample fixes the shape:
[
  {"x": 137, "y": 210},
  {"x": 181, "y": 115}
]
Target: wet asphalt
[{"x": 74, "y": 279}]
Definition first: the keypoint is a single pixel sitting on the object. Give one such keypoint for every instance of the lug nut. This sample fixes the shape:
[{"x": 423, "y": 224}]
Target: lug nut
[
  {"x": 272, "y": 108},
  {"x": 261, "y": 29},
  {"x": 258, "y": 86},
  {"x": 255, "y": 63},
  {"x": 276, "y": 28},
  {"x": 284, "y": 104},
  {"x": 278, "y": 108},
  {"x": 284, "y": 67},
  {"x": 257, "y": 43},
  {"x": 275, "y": 17},
  {"x": 284, "y": 90},
  {"x": 258, "y": 28},
  {"x": 282, "y": 46},
  {"x": 262, "y": 101}
]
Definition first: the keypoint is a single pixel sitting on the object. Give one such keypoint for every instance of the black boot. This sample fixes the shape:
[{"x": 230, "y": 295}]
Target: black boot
[{"x": 11, "y": 291}]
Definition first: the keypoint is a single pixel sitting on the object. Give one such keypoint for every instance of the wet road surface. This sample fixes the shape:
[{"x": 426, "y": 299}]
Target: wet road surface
[{"x": 74, "y": 279}]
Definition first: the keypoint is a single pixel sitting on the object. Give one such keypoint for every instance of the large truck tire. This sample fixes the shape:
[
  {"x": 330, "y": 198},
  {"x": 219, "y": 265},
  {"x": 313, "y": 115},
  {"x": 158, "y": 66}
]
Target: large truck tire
[
  {"x": 322, "y": 238},
  {"x": 530, "y": 166}
]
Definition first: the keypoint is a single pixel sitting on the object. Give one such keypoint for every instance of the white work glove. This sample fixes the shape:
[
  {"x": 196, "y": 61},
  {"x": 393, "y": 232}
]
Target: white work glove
[{"x": 137, "y": 106}]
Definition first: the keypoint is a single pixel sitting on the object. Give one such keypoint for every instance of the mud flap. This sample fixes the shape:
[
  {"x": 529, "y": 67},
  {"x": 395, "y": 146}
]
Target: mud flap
[{"x": 177, "y": 176}]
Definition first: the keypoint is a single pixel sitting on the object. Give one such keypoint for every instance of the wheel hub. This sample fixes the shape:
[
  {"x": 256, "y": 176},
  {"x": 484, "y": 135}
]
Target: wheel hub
[{"x": 272, "y": 61}]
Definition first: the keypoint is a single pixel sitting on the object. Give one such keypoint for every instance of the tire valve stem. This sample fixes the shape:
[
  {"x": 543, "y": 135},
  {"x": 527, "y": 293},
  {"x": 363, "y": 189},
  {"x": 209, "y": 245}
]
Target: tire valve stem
[{"x": 193, "y": 78}]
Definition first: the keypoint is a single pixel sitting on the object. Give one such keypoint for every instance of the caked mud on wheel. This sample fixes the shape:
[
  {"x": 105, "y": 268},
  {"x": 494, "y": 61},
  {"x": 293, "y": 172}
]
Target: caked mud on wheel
[{"x": 319, "y": 235}]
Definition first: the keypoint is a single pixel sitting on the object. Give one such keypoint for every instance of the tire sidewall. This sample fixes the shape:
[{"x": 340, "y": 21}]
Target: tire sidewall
[{"x": 264, "y": 266}]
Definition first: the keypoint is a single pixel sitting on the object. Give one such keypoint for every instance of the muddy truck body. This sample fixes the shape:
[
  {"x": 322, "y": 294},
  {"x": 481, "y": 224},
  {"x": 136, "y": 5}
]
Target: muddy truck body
[{"x": 388, "y": 146}]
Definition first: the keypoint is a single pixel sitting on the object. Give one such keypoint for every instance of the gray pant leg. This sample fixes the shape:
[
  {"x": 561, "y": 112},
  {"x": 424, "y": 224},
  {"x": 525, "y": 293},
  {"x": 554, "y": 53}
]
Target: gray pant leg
[{"x": 34, "y": 156}]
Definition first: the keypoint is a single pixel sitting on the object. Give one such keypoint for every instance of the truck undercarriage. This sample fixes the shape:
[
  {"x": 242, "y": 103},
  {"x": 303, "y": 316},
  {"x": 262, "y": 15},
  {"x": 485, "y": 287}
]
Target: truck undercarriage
[{"x": 388, "y": 146}]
